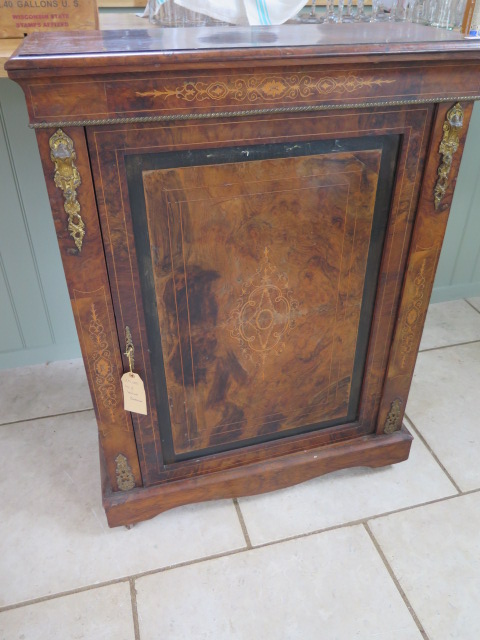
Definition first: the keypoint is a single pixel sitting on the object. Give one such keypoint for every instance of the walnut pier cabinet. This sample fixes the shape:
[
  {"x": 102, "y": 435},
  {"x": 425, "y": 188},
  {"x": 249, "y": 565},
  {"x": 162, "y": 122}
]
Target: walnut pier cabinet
[{"x": 250, "y": 220}]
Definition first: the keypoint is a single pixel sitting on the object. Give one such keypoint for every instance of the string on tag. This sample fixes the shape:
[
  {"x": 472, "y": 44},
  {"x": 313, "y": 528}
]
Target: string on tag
[{"x": 134, "y": 398}]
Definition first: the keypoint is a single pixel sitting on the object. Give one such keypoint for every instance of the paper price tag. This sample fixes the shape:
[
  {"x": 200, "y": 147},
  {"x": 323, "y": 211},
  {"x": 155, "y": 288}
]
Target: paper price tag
[{"x": 134, "y": 398}]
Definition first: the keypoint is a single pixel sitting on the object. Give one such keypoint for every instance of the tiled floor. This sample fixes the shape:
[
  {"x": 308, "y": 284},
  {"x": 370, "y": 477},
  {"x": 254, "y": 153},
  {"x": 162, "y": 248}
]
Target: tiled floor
[{"x": 385, "y": 554}]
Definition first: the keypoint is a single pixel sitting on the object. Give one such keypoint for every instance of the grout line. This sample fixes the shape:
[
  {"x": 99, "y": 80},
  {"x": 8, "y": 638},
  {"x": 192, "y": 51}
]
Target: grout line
[
  {"x": 362, "y": 521},
  {"x": 126, "y": 579},
  {"x": 352, "y": 523},
  {"x": 61, "y": 594},
  {"x": 433, "y": 454},
  {"x": 133, "y": 596},
  {"x": 53, "y": 415},
  {"x": 449, "y": 346},
  {"x": 473, "y": 306},
  {"x": 396, "y": 582},
  {"x": 242, "y": 524}
]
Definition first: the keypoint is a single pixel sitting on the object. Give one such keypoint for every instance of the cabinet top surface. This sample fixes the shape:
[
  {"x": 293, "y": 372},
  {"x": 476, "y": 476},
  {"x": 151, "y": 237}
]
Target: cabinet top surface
[{"x": 157, "y": 47}]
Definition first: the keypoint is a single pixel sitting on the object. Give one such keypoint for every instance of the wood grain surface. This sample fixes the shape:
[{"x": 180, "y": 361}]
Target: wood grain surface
[{"x": 259, "y": 272}]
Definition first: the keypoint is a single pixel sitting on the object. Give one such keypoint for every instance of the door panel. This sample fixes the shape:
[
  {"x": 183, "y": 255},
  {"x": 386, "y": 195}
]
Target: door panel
[
  {"x": 246, "y": 258},
  {"x": 259, "y": 271}
]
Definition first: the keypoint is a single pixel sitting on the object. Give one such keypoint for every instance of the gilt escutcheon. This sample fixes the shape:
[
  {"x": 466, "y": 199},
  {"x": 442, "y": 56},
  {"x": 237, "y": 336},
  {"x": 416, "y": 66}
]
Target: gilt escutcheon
[
  {"x": 125, "y": 479},
  {"x": 393, "y": 421}
]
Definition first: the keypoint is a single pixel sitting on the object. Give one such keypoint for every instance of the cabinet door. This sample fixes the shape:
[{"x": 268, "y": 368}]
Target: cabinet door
[{"x": 246, "y": 258}]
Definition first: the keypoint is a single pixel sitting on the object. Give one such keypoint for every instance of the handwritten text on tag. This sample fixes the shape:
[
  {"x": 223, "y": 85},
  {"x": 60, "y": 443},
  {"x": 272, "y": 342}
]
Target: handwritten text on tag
[{"x": 134, "y": 398}]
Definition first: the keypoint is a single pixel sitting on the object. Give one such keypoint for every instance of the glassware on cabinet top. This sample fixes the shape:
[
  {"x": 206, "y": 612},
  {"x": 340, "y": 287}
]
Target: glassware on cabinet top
[
  {"x": 166, "y": 13},
  {"x": 446, "y": 14},
  {"x": 313, "y": 16}
]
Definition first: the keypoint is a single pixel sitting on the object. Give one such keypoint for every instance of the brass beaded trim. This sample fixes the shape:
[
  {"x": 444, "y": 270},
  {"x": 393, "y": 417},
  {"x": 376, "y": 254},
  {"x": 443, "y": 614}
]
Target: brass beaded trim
[{"x": 249, "y": 112}]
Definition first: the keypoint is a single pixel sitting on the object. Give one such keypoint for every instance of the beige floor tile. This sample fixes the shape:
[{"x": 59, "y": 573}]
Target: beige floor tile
[
  {"x": 345, "y": 496},
  {"x": 443, "y": 405},
  {"x": 53, "y": 531},
  {"x": 43, "y": 390},
  {"x": 450, "y": 323},
  {"x": 98, "y": 614},
  {"x": 434, "y": 552},
  {"x": 323, "y": 586},
  {"x": 475, "y": 302}
]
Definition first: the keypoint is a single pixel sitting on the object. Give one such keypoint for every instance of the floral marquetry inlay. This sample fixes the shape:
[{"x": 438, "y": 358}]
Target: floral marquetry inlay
[
  {"x": 267, "y": 88},
  {"x": 415, "y": 312},
  {"x": 264, "y": 314},
  {"x": 102, "y": 362}
]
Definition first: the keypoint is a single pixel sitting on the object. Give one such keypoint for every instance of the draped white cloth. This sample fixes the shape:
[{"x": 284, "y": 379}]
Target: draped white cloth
[{"x": 255, "y": 12}]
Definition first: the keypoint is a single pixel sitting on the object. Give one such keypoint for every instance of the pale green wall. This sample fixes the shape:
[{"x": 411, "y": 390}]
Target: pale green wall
[
  {"x": 36, "y": 323},
  {"x": 458, "y": 274}
]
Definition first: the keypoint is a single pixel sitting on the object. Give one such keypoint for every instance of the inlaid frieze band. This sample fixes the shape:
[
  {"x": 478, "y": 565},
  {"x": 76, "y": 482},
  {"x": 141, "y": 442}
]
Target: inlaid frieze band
[
  {"x": 67, "y": 178},
  {"x": 451, "y": 139},
  {"x": 244, "y": 113},
  {"x": 250, "y": 90}
]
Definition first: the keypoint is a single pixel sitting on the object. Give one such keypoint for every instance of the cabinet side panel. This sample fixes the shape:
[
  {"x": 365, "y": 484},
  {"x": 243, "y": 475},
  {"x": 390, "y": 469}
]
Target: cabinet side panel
[{"x": 66, "y": 167}]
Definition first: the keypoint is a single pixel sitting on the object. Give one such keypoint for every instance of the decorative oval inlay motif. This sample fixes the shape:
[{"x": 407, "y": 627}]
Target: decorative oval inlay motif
[{"x": 264, "y": 314}]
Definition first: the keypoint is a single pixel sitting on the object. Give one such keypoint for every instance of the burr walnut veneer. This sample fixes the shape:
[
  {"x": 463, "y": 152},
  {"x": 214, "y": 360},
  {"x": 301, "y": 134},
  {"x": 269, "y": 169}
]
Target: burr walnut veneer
[{"x": 251, "y": 220}]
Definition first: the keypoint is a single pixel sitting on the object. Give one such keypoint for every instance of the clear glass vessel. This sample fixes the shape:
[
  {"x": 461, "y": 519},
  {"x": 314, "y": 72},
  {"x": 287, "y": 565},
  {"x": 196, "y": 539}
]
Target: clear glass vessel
[
  {"x": 348, "y": 15},
  {"x": 361, "y": 16},
  {"x": 312, "y": 17},
  {"x": 166, "y": 13},
  {"x": 378, "y": 11},
  {"x": 447, "y": 14},
  {"x": 330, "y": 11}
]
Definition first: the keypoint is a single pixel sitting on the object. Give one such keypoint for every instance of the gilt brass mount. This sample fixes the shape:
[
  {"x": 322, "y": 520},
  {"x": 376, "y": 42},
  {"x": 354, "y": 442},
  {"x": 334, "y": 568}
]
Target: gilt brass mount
[
  {"x": 67, "y": 178},
  {"x": 125, "y": 479},
  {"x": 393, "y": 421},
  {"x": 451, "y": 131}
]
